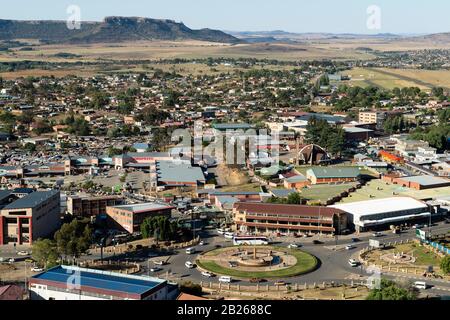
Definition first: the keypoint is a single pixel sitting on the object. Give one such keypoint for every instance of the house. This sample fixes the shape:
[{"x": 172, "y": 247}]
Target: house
[{"x": 296, "y": 182}]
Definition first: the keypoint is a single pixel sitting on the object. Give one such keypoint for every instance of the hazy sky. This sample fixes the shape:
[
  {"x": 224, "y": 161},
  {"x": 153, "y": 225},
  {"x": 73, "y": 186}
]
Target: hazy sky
[{"x": 337, "y": 16}]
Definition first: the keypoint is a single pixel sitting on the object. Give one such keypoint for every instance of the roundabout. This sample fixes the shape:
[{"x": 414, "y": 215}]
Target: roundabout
[{"x": 248, "y": 262}]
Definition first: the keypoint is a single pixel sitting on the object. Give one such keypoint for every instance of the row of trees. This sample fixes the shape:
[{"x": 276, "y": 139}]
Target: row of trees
[
  {"x": 293, "y": 198},
  {"x": 160, "y": 228}
]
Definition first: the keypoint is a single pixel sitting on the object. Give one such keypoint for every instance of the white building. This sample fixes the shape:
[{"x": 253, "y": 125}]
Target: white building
[
  {"x": 366, "y": 215},
  {"x": 74, "y": 283}
]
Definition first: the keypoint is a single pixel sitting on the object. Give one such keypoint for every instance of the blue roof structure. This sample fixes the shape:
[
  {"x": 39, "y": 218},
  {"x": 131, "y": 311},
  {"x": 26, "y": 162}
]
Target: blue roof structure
[{"x": 101, "y": 280}]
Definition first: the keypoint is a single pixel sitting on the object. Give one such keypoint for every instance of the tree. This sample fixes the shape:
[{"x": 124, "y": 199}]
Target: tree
[
  {"x": 389, "y": 290},
  {"x": 445, "y": 264},
  {"x": 73, "y": 239},
  {"x": 294, "y": 198},
  {"x": 45, "y": 253},
  {"x": 160, "y": 228}
]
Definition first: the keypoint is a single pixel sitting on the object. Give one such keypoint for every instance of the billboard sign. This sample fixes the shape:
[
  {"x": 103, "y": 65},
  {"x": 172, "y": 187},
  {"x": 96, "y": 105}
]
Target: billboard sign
[
  {"x": 421, "y": 234},
  {"x": 374, "y": 243}
]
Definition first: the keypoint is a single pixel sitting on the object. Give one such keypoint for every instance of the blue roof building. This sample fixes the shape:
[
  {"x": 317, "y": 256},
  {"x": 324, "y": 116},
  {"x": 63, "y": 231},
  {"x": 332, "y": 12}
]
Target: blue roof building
[{"x": 74, "y": 283}]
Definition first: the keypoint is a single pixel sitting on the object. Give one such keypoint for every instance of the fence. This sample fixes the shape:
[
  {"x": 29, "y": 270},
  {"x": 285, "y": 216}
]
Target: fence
[{"x": 437, "y": 246}]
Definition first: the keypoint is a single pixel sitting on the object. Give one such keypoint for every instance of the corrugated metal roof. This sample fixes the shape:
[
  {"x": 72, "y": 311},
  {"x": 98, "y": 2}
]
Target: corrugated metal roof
[
  {"x": 94, "y": 279},
  {"x": 330, "y": 172},
  {"x": 32, "y": 200}
]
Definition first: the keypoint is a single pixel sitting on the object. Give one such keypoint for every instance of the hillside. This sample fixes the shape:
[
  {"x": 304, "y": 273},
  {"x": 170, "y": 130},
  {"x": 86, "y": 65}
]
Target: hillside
[{"x": 111, "y": 29}]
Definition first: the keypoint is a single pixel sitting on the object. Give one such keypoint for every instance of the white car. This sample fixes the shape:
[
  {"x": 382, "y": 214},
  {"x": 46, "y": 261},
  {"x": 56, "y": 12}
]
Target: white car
[
  {"x": 11, "y": 260},
  {"x": 23, "y": 253},
  {"x": 349, "y": 247},
  {"x": 377, "y": 234},
  {"x": 353, "y": 262},
  {"x": 189, "y": 265},
  {"x": 159, "y": 262},
  {"x": 202, "y": 243},
  {"x": 207, "y": 274},
  {"x": 293, "y": 246},
  {"x": 37, "y": 269},
  {"x": 155, "y": 269}
]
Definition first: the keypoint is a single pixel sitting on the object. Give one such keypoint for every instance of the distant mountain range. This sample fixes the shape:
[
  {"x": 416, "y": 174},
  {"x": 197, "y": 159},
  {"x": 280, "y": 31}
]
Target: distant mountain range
[
  {"x": 283, "y": 36},
  {"x": 110, "y": 30}
]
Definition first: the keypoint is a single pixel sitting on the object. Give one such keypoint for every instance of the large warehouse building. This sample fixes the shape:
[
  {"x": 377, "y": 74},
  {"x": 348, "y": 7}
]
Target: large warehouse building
[
  {"x": 373, "y": 214},
  {"x": 74, "y": 283}
]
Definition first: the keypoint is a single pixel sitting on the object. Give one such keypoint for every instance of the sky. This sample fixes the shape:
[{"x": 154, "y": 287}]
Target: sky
[{"x": 334, "y": 16}]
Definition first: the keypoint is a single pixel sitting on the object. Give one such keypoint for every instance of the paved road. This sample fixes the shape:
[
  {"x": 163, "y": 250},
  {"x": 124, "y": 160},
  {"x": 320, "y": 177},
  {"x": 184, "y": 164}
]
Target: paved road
[{"x": 333, "y": 259}]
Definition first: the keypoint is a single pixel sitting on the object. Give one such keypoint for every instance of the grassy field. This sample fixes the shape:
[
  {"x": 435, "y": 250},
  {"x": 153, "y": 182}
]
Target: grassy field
[
  {"x": 305, "y": 263},
  {"x": 391, "y": 78},
  {"x": 424, "y": 257},
  {"x": 324, "y": 192}
]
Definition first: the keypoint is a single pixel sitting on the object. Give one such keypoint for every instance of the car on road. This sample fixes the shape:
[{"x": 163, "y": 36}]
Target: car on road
[
  {"x": 294, "y": 246},
  {"x": 280, "y": 283},
  {"x": 225, "y": 279},
  {"x": 207, "y": 274},
  {"x": 23, "y": 253},
  {"x": 11, "y": 260},
  {"x": 190, "y": 250},
  {"x": 37, "y": 269},
  {"x": 377, "y": 234},
  {"x": 349, "y": 247},
  {"x": 420, "y": 285},
  {"x": 317, "y": 242},
  {"x": 232, "y": 264},
  {"x": 160, "y": 262},
  {"x": 189, "y": 265},
  {"x": 155, "y": 269},
  {"x": 355, "y": 240},
  {"x": 201, "y": 243},
  {"x": 353, "y": 262}
]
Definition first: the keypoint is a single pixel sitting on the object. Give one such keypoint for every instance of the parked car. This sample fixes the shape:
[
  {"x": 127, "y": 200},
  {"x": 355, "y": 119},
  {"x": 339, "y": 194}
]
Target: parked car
[
  {"x": 355, "y": 240},
  {"x": 189, "y": 265},
  {"x": 160, "y": 262},
  {"x": 294, "y": 246},
  {"x": 23, "y": 253},
  {"x": 349, "y": 247},
  {"x": 201, "y": 243},
  {"x": 317, "y": 242},
  {"x": 11, "y": 260},
  {"x": 280, "y": 283}
]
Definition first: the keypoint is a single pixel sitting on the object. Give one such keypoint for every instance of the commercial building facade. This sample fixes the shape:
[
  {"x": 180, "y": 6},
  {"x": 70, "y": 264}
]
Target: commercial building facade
[
  {"x": 26, "y": 219},
  {"x": 266, "y": 218},
  {"x": 130, "y": 217},
  {"x": 86, "y": 206}
]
